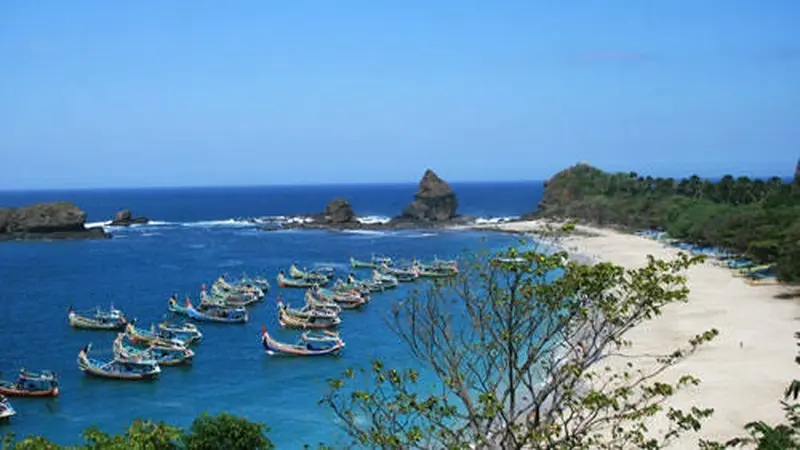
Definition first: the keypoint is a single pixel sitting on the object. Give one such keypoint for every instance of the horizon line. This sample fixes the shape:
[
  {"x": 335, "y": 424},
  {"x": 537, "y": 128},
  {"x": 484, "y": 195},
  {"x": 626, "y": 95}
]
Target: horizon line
[{"x": 237, "y": 186}]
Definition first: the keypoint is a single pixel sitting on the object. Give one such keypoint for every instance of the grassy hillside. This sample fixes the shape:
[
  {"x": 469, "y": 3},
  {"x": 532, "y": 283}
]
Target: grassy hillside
[{"x": 754, "y": 217}]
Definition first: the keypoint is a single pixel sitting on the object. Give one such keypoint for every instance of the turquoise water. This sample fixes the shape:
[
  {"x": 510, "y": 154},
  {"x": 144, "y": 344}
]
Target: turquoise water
[{"x": 141, "y": 266}]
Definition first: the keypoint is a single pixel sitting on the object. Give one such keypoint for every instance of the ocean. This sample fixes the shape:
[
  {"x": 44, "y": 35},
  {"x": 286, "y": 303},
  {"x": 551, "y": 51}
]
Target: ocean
[{"x": 196, "y": 235}]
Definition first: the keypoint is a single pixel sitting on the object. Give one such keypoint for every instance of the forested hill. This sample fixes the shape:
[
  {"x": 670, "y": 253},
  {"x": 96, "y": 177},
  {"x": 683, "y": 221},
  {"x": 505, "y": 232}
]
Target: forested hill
[{"x": 755, "y": 217}]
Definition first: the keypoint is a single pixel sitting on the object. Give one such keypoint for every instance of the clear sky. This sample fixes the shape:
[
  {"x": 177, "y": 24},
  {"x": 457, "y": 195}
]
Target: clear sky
[{"x": 169, "y": 92}]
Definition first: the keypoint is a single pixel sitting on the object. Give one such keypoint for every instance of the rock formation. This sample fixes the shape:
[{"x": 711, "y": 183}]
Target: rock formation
[
  {"x": 339, "y": 211},
  {"x": 435, "y": 201},
  {"x": 125, "y": 218},
  {"x": 60, "y": 220}
]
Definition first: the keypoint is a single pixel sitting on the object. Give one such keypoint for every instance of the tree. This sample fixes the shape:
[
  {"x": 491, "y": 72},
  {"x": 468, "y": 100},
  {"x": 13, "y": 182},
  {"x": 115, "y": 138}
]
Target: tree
[
  {"x": 515, "y": 353},
  {"x": 226, "y": 431},
  {"x": 223, "y": 431}
]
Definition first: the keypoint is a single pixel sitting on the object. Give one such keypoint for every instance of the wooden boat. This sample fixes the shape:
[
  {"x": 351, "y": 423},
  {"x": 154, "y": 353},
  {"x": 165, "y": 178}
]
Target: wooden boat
[
  {"x": 309, "y": 344},
  {"x": 285, "y": 282},
  {"x": 318, "y": 303},
  {"x": 117, "y": 369},
  {"x": 188, "y": 332},
  {"x": 163, "y": 356},
  {"x": 307, "y": 312},
  {"x": 347, "y": 300},
  {"x": 151, "y": 337},
  {"x": 315, "y": 276},
  {"x": 288, "y": 320},
  {"x": 362, "y": 285},
  {"x": 98, "y": 319},
  {"x": 373, "y": 263},
  {"x": 31, "y": 384},
  {"x": 6, "y": 410},
  {"x": 209, "y": 313},
  {"x": 403, "y": 275},
  {"x": 386, "y": 279},
  {"x": 219, "y": 298},
  {"x": 241, "y": 289}
]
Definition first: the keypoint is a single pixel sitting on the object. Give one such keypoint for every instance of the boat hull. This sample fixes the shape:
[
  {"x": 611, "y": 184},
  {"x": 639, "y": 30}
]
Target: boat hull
[{"x": 9, "y": 391}]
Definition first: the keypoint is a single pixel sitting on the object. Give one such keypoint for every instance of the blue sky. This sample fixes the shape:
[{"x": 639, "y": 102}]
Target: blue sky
[{"x": 171, "y": 93}]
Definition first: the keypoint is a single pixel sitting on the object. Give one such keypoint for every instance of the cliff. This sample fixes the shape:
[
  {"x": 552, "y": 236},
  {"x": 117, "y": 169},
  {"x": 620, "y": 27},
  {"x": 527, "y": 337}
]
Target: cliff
[{"x": 59, "y": 220}]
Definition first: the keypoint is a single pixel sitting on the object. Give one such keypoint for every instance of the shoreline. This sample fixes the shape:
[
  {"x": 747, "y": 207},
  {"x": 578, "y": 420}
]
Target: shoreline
[{"x": 756, "y": 332}]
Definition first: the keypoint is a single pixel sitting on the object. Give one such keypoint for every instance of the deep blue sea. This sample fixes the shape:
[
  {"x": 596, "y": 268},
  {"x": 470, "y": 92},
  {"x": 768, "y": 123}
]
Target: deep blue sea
[{"x": 192, "y": 241}]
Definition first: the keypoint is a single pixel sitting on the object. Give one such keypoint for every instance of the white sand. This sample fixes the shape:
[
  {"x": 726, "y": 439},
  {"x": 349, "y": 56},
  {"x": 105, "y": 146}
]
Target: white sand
[{"x": 744, "y": 371}]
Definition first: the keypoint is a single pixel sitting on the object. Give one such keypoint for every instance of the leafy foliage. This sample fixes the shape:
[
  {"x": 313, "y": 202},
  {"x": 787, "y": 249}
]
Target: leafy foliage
[
  {"x": 752, "y": 217},
  {"x": 514, "y": 347},
  {"x": 223, "y": 431}
]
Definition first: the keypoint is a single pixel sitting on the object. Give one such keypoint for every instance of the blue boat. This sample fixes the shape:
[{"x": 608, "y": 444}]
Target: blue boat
[
  {"x": 209, "y": 313},
  {"x": 117, "y": 369},
  {"x": 163, "y": 356},
  {"x": 187, "y": 332}
]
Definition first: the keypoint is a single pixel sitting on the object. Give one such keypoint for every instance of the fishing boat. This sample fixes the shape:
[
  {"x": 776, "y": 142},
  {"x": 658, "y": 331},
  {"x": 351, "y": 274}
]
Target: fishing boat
[
  {"x": 315, "y": 276},
  {"x": 386, "y": 279},
  {"x": 97, "y": 319},
  {"x": 162, "y": 355},
  {"x": 6, "y": 410},
  {"x": 209, "y": 313},
  {"x": 370, "y": 285},
  {"x": 241, "y": 289},
  {"x": 151, "y": 337},
  {"x": 285, "y": 282},
  {"x": 116, "y": 369},
  {"x": 234, "y": 300},
  {"x": 373, "y": 263},
  {"x": 403, "y": 275},
  {"x": 287, "y": 320},
  {"x": 310, "y": 344},
  {"x": 307, "y": 312},
  {"x": 31, "y": 384},
  {"x": 188, "y": 332},
  {"x": 322, "y": 304},
  {"x": 347, "y": 300}
]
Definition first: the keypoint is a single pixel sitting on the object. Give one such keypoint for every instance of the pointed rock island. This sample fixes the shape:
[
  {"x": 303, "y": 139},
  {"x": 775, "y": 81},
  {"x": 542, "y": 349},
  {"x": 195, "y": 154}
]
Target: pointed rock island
[{"x": 434, "y": 206}]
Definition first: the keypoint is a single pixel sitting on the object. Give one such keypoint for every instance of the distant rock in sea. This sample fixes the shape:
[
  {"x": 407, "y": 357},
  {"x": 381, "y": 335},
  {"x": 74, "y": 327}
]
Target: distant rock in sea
[
  {"x": 125, "y": 218},
  {"x": 434, "y": 201},
  {"x": 339, "y": 211},
  {"x": 434, "y": 206},
  {"x": 59, "y": 220}
]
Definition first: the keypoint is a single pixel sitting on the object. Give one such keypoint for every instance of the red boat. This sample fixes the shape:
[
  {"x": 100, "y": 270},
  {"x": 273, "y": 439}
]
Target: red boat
[{"x": 31, "y": 384}]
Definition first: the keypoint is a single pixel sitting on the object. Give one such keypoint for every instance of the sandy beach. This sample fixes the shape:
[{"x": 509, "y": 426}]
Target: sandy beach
[{"x": 743, "y": 372}]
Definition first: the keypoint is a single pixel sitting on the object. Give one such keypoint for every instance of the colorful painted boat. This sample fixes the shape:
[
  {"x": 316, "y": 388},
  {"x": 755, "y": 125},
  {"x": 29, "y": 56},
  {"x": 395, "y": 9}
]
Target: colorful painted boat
[
  {"x": 373, "y": 263},
  {"x": 315, "y": 276},
  {"x": 307, "y": 312},
  {"x": 164, "y": 356},
  {"x": 285, "y": 282},
  {"x": 312, "y": 323},
  {"x": 31, "y": 384},
  {"x": 188, "y": 332},
  {"x": 403, "y": 275},
  {"x": 318, "y": 303},
  {"x": 6, "y": 410},
  {"x": 310, "y": 344},
  {"x": 228, "y": 300},
  {"x": 117, "y": 369},
  {"x": 347, "y": 300},
  {"x": 209, "y": 313},
  {"x": 97, "y": 319},
  {"x": 152, "y": 337}
]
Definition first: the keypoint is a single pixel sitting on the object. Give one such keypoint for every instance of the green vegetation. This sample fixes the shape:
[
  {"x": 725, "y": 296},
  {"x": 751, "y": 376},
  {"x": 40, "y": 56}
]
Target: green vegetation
[
  {"x": 516, "y": 359},
  {"x": 759, "y": 219},
  {"x": 223, "y": 431}
]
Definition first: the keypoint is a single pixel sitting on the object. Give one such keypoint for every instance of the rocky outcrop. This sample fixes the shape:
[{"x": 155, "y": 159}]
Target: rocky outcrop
[
  {"x": 435, "y": 201},
  {"x": 339, "y": 211},
  {"x": 60, "y": 220},
  {"x": 125, "y": 218}
]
